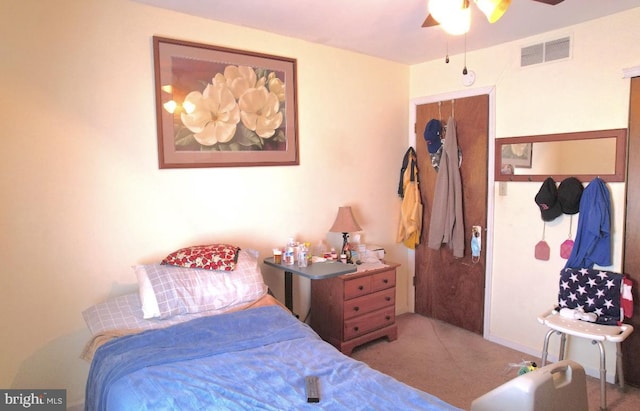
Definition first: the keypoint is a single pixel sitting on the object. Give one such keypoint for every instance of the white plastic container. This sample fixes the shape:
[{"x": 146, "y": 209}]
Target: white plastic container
[
  {"x": 556, "y": 387},
  {"x": 289, "y": 256}
]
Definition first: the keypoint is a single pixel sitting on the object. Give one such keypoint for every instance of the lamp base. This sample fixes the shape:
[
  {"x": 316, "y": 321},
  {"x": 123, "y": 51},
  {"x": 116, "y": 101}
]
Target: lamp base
[{"x": 345, "y": 247}]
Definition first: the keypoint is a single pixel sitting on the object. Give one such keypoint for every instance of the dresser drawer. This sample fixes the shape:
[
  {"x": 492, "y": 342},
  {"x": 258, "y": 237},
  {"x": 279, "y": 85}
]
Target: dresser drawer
[
  {"x": 357, "y": 287},
  {"x": 369, "y": 322},
  {"x": 368, "y": 303},
  {"x": 384, "y": 280}
]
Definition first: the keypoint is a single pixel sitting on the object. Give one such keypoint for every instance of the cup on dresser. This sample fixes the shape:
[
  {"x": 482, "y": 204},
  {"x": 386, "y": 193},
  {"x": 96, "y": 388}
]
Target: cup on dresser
[
  {"x": 277, "y": 256},
  {"x": 362, "y": 252}
]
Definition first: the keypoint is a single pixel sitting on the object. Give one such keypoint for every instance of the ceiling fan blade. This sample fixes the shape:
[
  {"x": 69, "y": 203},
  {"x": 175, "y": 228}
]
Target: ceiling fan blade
[
  {"x": 550, "y": 2},
  {"x": 430, "y": 21}
]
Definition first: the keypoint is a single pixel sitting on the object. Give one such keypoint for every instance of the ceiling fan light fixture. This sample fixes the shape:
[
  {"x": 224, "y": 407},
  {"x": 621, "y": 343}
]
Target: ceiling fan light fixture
[
  {"x": 460, "y": 24},
  {"x": 454, "y": 16},
  {"x": 493, "y": 9}
]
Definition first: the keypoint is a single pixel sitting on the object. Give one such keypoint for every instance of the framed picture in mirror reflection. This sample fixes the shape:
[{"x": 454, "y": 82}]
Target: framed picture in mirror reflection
[{"x": 518, "y": 155}]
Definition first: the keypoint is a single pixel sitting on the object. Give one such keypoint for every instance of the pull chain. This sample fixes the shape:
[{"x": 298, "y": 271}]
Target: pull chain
[
  {"x": 446, "y": 59},
  {"x": 570, "y": 227},
  {"x": 464, "y": 70}
]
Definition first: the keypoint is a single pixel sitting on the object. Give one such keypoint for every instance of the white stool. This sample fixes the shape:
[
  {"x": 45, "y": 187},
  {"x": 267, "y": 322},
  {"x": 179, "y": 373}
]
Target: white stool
[{"x": 596, "y": 333}]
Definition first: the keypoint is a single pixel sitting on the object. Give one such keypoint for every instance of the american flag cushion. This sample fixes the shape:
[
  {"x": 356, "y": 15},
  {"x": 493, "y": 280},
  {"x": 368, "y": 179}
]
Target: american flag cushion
[{"x": 591, "y": 290}]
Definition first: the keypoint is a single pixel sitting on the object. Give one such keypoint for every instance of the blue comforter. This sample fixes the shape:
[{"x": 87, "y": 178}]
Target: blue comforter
[{"x": 252, "y": 359}]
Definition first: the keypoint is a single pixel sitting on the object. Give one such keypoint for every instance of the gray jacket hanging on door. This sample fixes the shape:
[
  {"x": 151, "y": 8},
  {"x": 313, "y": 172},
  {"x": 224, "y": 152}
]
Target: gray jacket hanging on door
[{"x": 447, "y": 225}]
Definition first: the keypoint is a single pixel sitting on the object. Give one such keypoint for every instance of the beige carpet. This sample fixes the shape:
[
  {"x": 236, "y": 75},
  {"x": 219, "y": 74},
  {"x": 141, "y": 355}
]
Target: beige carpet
[{"x": 459, "y": 366}]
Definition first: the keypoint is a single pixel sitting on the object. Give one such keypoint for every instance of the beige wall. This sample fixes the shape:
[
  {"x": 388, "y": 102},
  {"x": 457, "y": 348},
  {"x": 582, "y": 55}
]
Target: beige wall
[
  {"x": 586, "y": 92},
  {"x": 83, "y": 198}
]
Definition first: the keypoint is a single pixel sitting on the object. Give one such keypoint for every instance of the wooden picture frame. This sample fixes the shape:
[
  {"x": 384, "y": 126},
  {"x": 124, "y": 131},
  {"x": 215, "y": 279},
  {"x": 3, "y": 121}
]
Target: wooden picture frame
[{"x": 222, "y": 107}]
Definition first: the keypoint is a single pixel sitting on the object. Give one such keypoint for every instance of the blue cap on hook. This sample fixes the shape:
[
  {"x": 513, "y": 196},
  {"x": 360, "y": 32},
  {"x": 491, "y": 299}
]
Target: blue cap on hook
[{"x": 432, "y": 135}]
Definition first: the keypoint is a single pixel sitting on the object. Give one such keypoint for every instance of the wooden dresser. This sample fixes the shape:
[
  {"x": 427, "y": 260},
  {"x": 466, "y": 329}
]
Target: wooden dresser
[{"x": 352, "y": 309}]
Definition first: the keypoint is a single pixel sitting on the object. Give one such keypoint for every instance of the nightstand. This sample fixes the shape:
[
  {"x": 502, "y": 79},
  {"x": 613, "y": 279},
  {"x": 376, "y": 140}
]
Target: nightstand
[{"x": 352, "y": 309}]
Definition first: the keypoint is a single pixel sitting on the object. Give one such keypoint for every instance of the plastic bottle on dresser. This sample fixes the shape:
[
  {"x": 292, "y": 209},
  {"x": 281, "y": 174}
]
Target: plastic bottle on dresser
[
  {"x": 319, "y": 249},
  {"x": 302, "y": 255},
  {"x": 290, "y": 252}
]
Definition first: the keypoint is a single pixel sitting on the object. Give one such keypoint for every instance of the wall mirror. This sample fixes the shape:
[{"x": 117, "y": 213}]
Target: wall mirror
[{"x": 584, "y": 155}]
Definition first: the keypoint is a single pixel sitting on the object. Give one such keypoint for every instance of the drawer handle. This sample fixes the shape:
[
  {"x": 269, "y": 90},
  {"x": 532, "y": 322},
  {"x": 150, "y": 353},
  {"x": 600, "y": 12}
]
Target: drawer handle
[
  {"x": 385, "y": 281},
  {"x": 388, "y": 298},
  {"x": 388, "y": 317},
  {"x": 361, "y": 287},
  {"x": 356, "y": 329},
  {"x": 356, "y": 308}
]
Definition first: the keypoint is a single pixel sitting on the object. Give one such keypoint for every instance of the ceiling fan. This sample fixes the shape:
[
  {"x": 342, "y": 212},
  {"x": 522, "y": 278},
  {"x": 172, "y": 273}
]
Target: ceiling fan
[
  {"x": 493, "y": 9},
  {"x": 455, "y": 19}
]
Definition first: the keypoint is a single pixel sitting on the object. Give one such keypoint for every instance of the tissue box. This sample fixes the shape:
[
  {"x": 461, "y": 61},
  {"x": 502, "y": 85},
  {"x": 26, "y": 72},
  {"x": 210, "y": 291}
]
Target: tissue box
[{"x": 376, "y": 250}]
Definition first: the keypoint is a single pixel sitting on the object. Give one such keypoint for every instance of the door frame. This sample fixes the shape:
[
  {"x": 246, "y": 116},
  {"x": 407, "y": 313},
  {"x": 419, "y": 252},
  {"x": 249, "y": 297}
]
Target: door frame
[{"x": 413, "y": 104}]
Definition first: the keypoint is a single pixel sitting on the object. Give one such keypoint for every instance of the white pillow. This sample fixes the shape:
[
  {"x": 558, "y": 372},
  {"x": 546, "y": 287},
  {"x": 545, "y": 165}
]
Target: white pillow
[
  {"x": 181, "y": 290},
  {"x": 148, "y": 299}
]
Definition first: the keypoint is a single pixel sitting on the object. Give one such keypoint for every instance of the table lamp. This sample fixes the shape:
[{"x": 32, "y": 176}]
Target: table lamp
[{"x": 345, "y": 223}]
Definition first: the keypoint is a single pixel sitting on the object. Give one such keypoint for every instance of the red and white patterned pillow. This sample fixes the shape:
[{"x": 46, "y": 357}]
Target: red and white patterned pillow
[{"x": 219, "y": 257}]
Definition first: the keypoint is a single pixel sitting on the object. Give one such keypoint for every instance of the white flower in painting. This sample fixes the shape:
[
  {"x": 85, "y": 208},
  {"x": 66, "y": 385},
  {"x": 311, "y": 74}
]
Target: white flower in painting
[
  {"x": 239, "y": 79},
  {"x": 260, "y": 111},
  {"x": 214, "y": 114},
  {"x": 276, "y": 86}
]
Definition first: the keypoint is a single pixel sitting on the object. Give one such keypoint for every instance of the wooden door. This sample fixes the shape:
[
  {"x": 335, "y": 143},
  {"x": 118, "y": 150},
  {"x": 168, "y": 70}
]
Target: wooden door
[
  {"x": 447, "y": 288},
  {"x": 631, "y": 265}
]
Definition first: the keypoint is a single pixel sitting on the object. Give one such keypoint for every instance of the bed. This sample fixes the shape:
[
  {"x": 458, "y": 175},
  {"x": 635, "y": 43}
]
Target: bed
[{"x": 249, "y": 353}]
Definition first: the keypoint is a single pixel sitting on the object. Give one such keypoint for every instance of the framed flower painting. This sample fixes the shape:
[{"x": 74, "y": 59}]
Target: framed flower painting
[{"x": 221, "y": 107}]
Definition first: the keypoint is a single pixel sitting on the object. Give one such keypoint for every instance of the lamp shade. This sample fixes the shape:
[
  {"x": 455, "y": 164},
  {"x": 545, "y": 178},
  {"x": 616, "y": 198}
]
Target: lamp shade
[
  {"x": 345, "y": 222},
  {"x": 459, "y": 22},
  {"x": 493, "y": 9},
  {"x": 454, "y": 16}
]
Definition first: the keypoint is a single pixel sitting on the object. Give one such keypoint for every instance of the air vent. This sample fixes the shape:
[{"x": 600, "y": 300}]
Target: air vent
[
  {"x": 549, "y": 51},
  {"x": 532, "y": 55}
]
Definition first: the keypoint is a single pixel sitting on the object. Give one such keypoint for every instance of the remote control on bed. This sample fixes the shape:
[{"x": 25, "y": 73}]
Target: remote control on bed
[{"x": 312, "y": 389}]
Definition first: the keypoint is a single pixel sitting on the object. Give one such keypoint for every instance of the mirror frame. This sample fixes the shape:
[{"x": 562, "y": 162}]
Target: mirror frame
[{"x": 620, "y": 134}]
